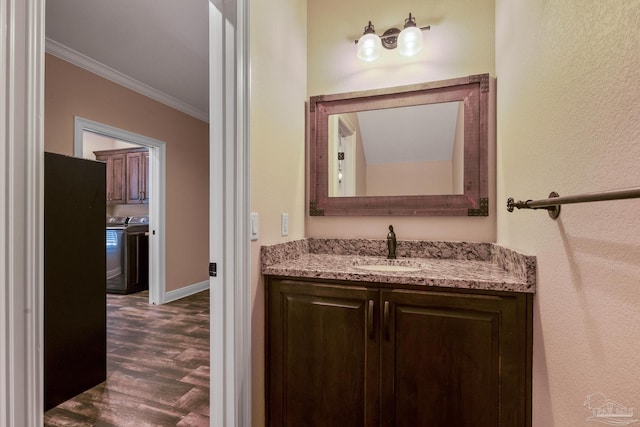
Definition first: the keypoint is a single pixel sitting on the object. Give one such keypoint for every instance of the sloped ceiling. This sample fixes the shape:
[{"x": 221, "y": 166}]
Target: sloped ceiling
[
  {"x": 420, "y": 133},
  {"x": 157, "y": 47}
]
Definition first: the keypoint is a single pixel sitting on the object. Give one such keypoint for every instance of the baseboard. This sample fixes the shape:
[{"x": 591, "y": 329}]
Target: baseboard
[{"x": 177, "y": 294}]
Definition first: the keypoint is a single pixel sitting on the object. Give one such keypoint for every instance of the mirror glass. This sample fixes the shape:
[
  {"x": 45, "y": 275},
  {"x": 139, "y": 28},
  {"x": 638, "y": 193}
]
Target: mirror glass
[
  {"x": 411, "y": 150},
  {"x": 397, "y": 151}
]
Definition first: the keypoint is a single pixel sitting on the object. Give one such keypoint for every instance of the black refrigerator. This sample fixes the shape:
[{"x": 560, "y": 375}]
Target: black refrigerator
[{"x": 75, "y": 329}]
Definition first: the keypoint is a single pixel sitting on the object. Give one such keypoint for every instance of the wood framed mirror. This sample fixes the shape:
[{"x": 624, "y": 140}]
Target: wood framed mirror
[{"x": 409, "y": 150}]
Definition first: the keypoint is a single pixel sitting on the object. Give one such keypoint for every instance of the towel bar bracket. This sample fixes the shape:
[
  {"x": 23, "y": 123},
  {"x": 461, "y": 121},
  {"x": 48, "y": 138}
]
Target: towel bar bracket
[{"x": 553, "y": 210}]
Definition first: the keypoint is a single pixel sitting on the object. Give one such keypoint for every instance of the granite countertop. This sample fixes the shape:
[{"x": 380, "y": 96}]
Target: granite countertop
[{"x": 482, "y": 266}]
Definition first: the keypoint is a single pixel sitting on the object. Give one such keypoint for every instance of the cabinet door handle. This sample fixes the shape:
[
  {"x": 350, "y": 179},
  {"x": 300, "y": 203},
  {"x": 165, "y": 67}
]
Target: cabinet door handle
[
  {"x": 386, "y": 319},
  {"x": 370, "y": 318}
]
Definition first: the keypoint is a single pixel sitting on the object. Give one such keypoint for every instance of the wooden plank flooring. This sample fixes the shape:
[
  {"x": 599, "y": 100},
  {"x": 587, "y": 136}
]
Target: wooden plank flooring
[{"x": 157, "y": 367}]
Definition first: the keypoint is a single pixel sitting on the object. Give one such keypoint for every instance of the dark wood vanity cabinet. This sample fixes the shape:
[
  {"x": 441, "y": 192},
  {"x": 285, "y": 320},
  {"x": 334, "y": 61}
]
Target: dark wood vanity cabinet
[
  {"x": 366, "y": 356},
  {"x": 322, "y": 357},
  {"x": 454, "y": 359}
]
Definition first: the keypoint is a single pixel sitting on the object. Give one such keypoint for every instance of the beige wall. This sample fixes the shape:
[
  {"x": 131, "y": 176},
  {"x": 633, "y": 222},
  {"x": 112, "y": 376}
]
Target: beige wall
[
  {"x": 71, "y": 91},
  {"x": 461, "y": 42},
  {"x": 280, "y": 84},
  {"x": 458, "y": 153},
  {"x": 410, "y": 178},
  {"x": 569, "y": 120},
  {"x": 278, "y": 92}
]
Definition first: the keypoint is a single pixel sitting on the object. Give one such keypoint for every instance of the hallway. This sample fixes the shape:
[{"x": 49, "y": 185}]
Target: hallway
[{"x": 157, "y": 367}]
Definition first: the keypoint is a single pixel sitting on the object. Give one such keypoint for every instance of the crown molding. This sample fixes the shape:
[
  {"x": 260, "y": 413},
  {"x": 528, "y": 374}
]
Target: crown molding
[{"x": 74, "y": 57}]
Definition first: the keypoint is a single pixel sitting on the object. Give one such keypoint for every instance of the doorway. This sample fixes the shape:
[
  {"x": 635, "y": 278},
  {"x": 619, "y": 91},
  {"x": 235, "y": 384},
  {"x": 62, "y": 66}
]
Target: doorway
[
  {"x": 156, "y": 210},
  {"x": 21, "y": 113}
]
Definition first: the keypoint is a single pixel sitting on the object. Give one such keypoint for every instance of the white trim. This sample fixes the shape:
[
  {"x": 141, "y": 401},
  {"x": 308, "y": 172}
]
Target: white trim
[
  {"x": 5, "y": 224},
  {"x": 157, "y": 197},
  {"x": 218, "y": 395},
  {"x": 243, "y": 237},
  {"x": 232, "y": 359},
  {"x": 21, "y": 216},
  {"x": 185, "y": 291},
  {"x": 74, "y": 57},
  {"x": 230, "y": 396}
]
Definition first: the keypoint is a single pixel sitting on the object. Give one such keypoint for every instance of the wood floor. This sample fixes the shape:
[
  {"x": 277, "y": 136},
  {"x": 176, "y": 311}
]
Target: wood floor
[{"x": 157, "y": 367}]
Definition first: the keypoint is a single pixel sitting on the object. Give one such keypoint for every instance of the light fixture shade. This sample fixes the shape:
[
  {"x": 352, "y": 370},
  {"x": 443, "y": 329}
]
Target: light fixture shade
[
  {"x": 410, "y": 41},
  {"x": 369, "y": 47}
]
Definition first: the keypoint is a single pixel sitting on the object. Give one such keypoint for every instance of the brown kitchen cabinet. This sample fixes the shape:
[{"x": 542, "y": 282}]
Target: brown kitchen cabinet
[
  {"x": 137, "y": 177},
  {"x": 127, "y": 175},
  {"x": 116, "y": 175},
  {"x": 343, "y": 354}
]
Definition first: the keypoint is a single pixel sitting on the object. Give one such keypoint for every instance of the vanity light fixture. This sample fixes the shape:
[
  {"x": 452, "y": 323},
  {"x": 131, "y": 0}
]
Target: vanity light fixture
[
  {"x": 369, "y": 45},
  {"x": 408, "y": 41}
]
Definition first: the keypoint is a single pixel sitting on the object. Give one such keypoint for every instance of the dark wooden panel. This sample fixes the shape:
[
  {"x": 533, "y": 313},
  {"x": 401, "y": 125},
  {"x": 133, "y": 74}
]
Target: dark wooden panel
[
  {"x": 450, "y": 360},
  {"x": 137, "y": 262},
  {"x": 74, "y": 276},
  {"x": 323, "y": 354},
  {"x": 432, "y": 358}
]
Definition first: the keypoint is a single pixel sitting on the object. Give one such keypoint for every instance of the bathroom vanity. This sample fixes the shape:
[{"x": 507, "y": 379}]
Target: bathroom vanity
[{"x": 440, "y": 336}]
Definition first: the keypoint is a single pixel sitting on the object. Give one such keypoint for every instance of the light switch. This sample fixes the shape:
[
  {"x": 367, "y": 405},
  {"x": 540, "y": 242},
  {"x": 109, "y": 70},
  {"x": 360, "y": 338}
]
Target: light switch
[
  {"x": 254, "y": 226},
  {"x": 284, "y": 224}
]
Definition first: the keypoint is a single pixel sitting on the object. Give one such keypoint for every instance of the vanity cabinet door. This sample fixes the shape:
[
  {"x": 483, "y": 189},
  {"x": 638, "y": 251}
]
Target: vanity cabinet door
[
  {"x": 453, "y": 359},
  {"x": 322, "y": 355}
]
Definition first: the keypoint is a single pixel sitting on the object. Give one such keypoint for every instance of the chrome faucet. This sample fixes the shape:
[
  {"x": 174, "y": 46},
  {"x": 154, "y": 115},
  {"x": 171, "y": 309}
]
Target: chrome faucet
[{"x": 391, "y": 243}]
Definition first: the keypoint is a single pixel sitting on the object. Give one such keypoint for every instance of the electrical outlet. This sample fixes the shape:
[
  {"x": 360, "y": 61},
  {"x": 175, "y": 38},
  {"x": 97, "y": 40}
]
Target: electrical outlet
[
  {"x": 284, "y": 224},
  {"x": 254, "y": 226}
]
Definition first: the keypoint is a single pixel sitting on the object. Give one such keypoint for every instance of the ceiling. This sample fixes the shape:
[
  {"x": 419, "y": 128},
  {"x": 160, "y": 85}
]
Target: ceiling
[
  {"x": 419, "y": 133},
  {"x": 159, "y": 48}
]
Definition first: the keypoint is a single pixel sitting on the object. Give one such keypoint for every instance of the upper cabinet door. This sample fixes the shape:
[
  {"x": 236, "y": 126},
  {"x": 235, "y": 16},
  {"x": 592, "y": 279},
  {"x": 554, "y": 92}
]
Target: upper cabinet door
[
  {"x": 144, "y": 177},
  {"x": 116, "y": 176},
  {"x": 137, "y": 177}
]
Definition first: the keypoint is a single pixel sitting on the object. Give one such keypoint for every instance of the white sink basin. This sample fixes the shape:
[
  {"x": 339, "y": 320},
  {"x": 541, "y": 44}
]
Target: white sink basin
[{"x": 384, "y": 267}]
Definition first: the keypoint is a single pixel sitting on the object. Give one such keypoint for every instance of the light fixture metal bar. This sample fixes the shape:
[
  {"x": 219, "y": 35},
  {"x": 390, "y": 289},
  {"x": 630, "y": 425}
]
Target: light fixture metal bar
[{"x": 383, "y": 37}]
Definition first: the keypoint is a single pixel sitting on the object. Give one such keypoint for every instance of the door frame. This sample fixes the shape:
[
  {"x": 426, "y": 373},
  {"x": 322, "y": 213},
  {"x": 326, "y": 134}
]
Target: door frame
[
  {"x": 157, "y": 196},
  {"x": 22, "y": 36},
  {"x": 230, "y": 285},
  {"x": 21, "y": 212}
]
